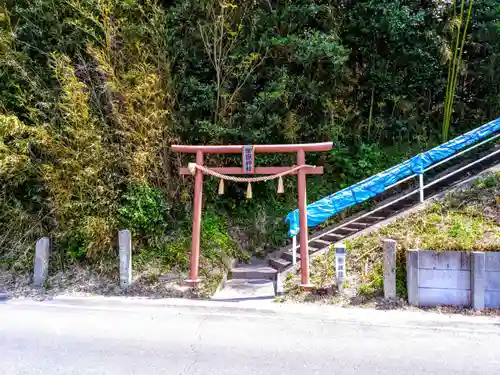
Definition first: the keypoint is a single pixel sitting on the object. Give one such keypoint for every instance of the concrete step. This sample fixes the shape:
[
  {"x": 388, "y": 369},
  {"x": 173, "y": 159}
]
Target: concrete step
[
  {"x": 374, "y": 218},
  {"x": 403, "y": 205},
  {"x": 359, "y": 225},
  {"x": 257, "y": 272},
  {"x": 399, "y": 209},
  {"x": 365, "y": 225},
  {"x": 347, "y": 230},
  {"x": 279, "y": 263},
  {"x": 391, "y": 210},
  {"x": 319, "y": 243},
  {"x": 288, "y": 256},
  {"x": 250, "y": 290},
  {"x": 333, "y": 237}
]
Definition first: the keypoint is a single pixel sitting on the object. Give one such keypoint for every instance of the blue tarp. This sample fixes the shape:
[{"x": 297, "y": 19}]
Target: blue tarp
[{"x": 320, "y": 211}]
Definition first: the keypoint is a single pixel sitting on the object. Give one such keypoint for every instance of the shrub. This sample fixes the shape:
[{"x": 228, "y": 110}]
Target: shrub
[{"x": 144, "y": 210}]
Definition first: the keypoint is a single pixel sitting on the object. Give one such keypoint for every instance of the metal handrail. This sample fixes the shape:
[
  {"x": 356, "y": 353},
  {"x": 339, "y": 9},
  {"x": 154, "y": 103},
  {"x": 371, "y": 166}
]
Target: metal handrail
[
  {"x": 461, "y": 152},
  {"x": 443, "y": 161},
  {"x": 366, "y": 214},
  {"x": 421, "y": 188},
  {"x": 462, "y": 168}
]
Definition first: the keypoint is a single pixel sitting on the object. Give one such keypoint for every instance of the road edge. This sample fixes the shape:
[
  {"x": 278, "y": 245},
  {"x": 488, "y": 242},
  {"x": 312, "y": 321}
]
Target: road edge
[{"x": 334, "y": 314}]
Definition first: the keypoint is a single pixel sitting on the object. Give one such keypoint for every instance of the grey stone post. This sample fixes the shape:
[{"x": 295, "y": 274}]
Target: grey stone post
[
  {"x": 412, "y": 277},
  {"x": 478, "y": 279},
  {"x": 125, "y": 246},
  {"x": 42, "y": 253},
  {"x": 390, "y": 269}
]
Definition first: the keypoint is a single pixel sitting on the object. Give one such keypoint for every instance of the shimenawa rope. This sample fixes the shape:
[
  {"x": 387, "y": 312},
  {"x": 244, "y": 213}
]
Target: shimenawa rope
[{"x": 192, "y": 167}]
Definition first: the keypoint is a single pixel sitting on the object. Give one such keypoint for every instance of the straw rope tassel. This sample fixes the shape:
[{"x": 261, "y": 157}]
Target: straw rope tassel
[
  {"x": 281, "y": 188},
  {"x": 249, "y": 191},
  {"x": 193, "y": 167},
  {"x": 221, "y": 186}
]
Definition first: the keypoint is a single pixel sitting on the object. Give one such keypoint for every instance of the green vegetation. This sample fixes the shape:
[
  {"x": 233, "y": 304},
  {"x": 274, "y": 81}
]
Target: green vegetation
[
  {"x": 454, "y": 65},
  {"x": 323, "y": 270},
  {"x": 93, "y": 93},
  {"x": 467, "y": 220}
]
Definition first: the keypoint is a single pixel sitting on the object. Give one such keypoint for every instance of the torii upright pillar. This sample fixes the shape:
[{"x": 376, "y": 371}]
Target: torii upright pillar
[{"x": 300, "y": 150}]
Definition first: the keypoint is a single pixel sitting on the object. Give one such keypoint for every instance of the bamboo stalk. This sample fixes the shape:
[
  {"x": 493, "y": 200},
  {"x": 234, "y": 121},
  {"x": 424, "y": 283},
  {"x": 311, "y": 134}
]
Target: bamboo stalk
[
  {"x": 449, "y": 90},
  {"x": 448, "y": 81},
  {"x": 469, "y": 11},
  {"x": 454, "y": 66},
  {"x": 370, "y": 119}
]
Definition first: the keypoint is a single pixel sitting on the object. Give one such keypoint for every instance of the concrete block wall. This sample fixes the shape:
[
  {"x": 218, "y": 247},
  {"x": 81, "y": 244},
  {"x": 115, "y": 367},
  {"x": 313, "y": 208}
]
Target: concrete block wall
[
  {"x": 453, "y": 278},
  {"x": 492, "y": 280}
]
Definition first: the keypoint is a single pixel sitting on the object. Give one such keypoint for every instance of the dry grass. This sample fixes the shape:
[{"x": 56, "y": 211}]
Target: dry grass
[{"x": 466, "y": 220}]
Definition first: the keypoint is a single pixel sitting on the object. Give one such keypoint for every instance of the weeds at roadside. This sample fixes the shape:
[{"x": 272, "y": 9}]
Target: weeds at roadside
[{"x": 466, "y": 220}]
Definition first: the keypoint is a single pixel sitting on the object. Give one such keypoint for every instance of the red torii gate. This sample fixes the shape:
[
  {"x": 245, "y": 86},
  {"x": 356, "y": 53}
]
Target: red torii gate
[{"x": 300, "y": 149}]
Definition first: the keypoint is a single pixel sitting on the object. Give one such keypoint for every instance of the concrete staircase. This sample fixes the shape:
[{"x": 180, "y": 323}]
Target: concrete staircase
[
  {"x": 280, "y": 261},
  {"x": 249, "y": 282}
]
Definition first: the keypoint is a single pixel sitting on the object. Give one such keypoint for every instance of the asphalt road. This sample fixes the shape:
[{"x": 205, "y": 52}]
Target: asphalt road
[{"x": 51, "y": 339}]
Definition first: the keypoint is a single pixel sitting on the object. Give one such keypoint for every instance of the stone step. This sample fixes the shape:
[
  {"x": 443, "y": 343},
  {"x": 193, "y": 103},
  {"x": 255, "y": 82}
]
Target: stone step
[
  {"x": 361, "y": 225},
  {"x": 279, "y": 263},
  {"x": 319, "y": 243},
  {"x": 403, "y": 205},
  {"x": 395, "y": 211},
  {"x": 375, "y": 218},
  {"x": 288, "y": 256},
  {"x": 257, "y": 272},
  {"x": 365, "y": 225},
  {"x": 391, "y": 210},
  {"x": 312, "y": 249},
  {"x": 333, "y": 237},
  {"x": 347, "y": 229}
]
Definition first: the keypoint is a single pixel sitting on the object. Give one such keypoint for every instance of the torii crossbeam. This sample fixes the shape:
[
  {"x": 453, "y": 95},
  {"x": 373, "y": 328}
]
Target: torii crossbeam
[{"x": 299, "y": 149}]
